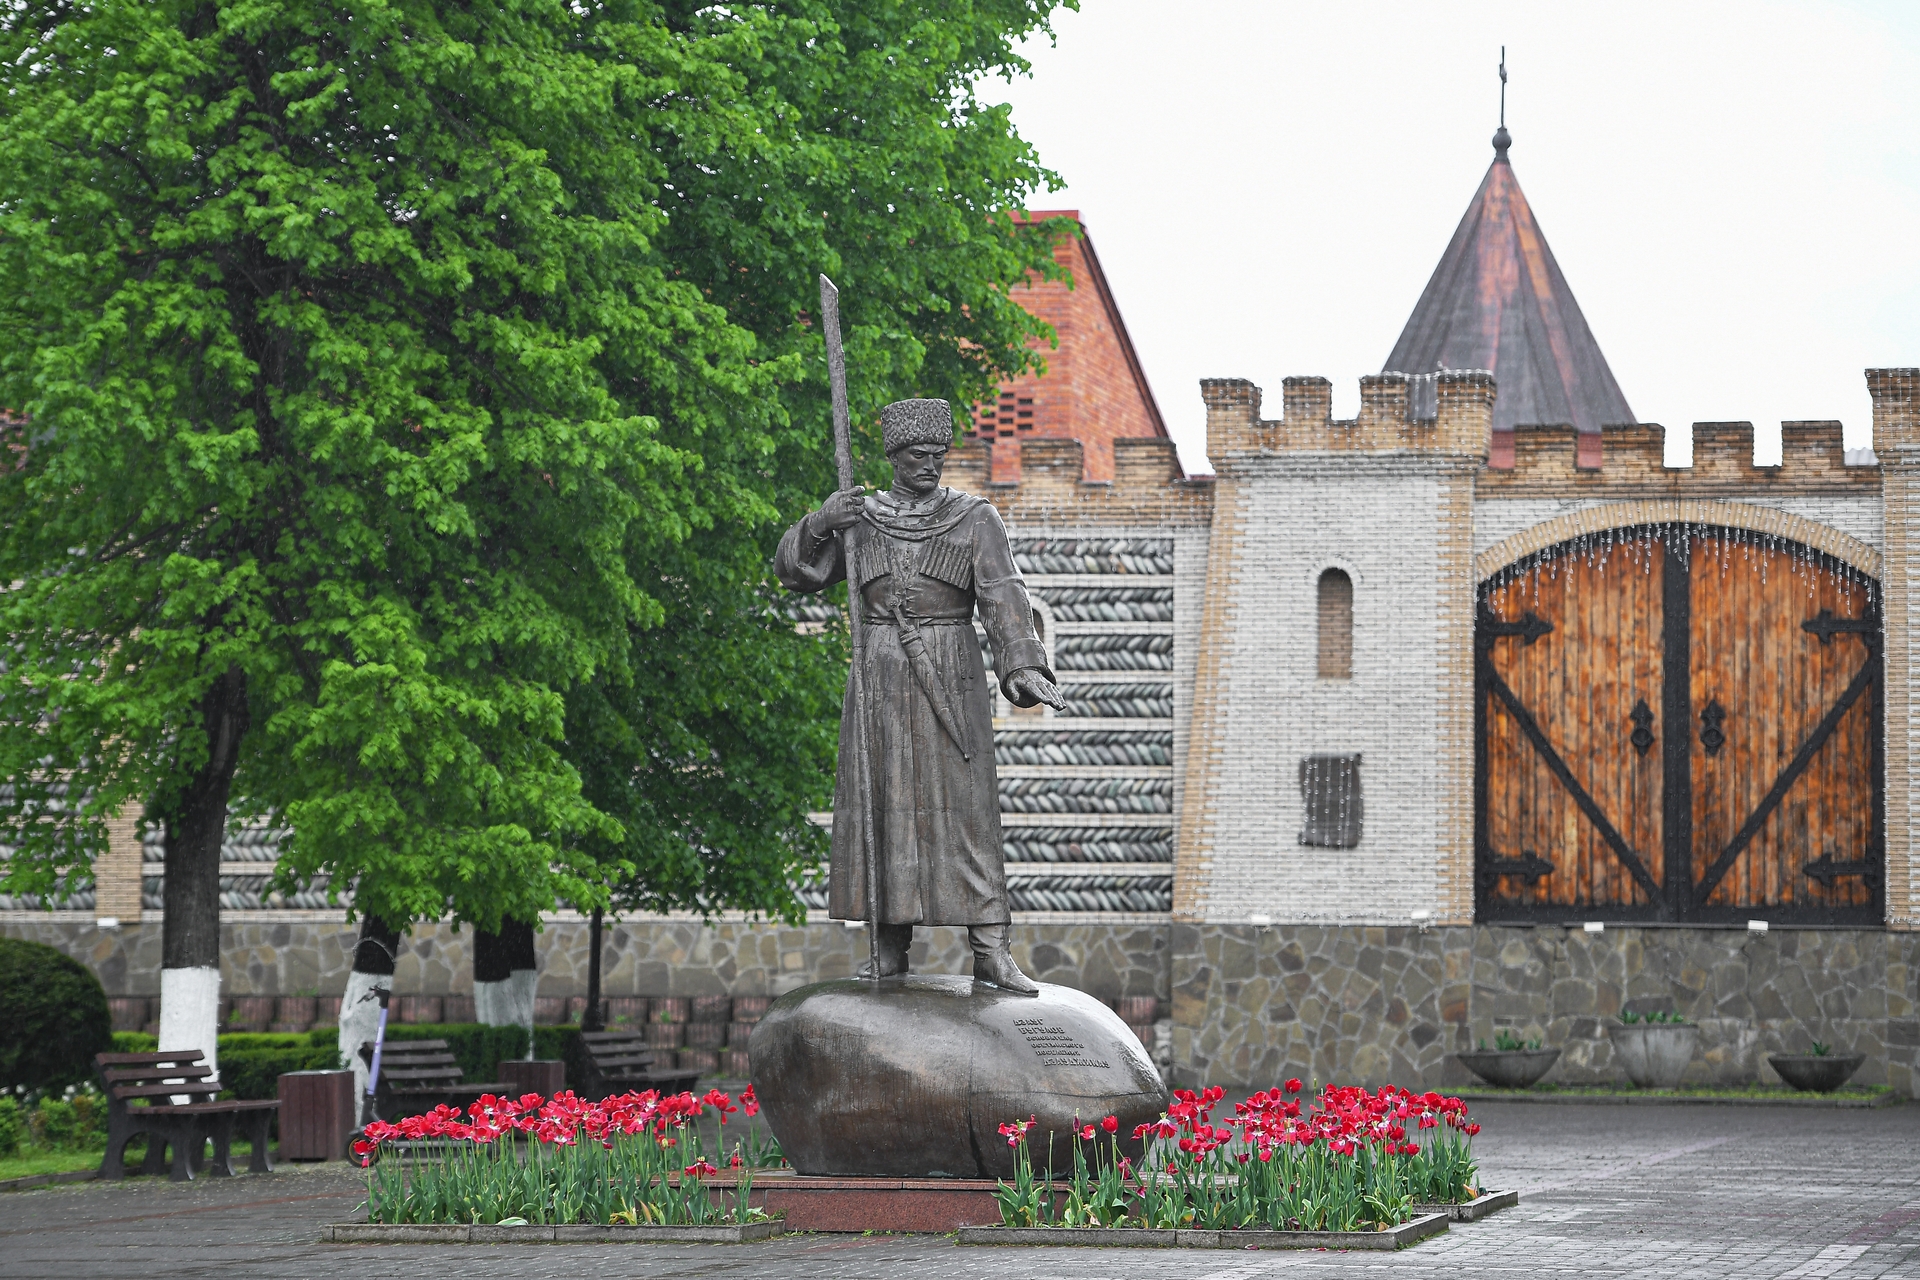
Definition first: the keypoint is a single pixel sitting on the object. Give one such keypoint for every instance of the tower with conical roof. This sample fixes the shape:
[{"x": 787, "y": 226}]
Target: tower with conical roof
[{"x": 1498, "y": 301}]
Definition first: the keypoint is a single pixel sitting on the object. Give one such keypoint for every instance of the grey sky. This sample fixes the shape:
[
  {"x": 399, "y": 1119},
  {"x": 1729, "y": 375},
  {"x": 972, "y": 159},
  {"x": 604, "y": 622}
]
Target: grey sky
[{"x": 1733, "y": 190}]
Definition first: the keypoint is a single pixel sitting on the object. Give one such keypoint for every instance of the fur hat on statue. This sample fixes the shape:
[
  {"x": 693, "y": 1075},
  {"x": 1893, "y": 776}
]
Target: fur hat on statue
[{"x": 906, "y": 422}]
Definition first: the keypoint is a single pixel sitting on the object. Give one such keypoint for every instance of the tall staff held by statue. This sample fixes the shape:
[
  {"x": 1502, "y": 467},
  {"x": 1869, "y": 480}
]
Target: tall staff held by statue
[{"x": 843, "y": 461}]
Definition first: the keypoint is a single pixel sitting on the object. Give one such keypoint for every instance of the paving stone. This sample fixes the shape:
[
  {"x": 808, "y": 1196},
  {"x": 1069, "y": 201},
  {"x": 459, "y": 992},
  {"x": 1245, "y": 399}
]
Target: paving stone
[{"x": 1687, "y": 1193}]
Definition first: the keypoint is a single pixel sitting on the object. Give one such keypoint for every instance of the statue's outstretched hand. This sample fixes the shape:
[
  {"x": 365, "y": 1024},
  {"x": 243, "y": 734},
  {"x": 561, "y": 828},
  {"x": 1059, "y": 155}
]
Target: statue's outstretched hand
[
  {"x": 1033, "y": 687},
  {"x": 842, "y": 510}
]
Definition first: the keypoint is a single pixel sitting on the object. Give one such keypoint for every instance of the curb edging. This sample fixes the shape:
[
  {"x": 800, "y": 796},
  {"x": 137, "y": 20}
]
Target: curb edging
[
  {"x": 31, "y": 1181},
  {"x": 1143, "y": 1238},
  {"x": 571, "y": 1233},
  {"x": 1475, "y": 1209}
]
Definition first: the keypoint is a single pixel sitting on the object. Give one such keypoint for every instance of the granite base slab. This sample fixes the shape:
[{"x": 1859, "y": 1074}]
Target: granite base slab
[{"x": 1398, "y": 1237}]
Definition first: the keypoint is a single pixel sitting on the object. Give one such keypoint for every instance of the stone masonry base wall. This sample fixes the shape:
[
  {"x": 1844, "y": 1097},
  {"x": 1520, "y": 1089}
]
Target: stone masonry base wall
[
  {"x": 1251, "y": 1005},
  {"x": 640, "y": 957}
]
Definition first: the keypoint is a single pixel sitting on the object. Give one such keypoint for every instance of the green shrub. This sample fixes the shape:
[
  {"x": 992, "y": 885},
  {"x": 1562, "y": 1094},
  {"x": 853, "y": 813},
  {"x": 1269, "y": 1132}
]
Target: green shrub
[
  {"x": 134, "y": 1042},
  {"x": 53, "y": 1018},
  {"x": 74, "y": 1123},
  {"x": 12, "y": 1127}
]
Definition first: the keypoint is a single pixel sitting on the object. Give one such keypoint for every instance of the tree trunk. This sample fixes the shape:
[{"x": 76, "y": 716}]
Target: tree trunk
[
  {"x": 504, "y": 977},
  {"x": 359, "y": 1008},
  {"x": 195, "y": 829},
  {"x": 591, "y": 1019}
]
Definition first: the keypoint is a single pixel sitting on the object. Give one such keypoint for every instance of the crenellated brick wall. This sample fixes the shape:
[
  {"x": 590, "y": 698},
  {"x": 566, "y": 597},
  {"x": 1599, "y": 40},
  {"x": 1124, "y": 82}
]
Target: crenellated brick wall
[{"x": 1387, "y": 497}]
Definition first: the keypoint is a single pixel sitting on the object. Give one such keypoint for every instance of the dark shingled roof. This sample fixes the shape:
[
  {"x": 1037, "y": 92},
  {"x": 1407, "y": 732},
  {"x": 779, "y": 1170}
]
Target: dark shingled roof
[{"x": 1498, "y": 301}]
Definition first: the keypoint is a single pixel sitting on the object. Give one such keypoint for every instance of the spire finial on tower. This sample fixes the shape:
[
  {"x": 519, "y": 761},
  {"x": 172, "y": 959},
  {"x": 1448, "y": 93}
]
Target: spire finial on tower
[{"x": 1501, "y": 138}]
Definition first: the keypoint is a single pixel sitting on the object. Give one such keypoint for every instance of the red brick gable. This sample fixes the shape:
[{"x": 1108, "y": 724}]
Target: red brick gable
[{"x": 1094, "y": 390}]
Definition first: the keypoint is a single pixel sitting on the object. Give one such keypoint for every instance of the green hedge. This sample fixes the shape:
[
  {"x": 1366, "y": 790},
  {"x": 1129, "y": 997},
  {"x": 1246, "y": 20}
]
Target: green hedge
[{"x": 254, "y": 1070}]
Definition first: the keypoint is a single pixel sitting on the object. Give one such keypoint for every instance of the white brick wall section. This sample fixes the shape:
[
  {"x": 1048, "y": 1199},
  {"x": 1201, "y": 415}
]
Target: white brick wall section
[{"x": 1303, "y": 517}]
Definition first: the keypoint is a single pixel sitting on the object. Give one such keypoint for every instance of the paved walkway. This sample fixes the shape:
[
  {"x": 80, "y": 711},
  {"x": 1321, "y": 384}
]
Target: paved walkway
[{"x": 1695, "y": 1192}]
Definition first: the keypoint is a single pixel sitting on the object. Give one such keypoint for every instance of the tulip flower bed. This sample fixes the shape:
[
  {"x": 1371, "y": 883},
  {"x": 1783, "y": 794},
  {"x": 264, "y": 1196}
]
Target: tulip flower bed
[
  {"x": 1355, "y": 1160},
  {"x": 633, "y": 1159}
]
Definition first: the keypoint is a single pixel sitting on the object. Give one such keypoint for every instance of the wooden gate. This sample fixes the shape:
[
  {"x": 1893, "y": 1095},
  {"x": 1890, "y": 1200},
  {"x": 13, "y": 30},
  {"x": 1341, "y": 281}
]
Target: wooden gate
[{"x": 1679, "y": 723}]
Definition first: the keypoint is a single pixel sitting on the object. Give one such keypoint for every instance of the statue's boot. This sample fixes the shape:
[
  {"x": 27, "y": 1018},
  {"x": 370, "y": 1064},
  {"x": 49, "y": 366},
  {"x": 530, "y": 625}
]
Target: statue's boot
[
  {"x": 993, "y": 963},
  {"x": 896, "y": 940}
]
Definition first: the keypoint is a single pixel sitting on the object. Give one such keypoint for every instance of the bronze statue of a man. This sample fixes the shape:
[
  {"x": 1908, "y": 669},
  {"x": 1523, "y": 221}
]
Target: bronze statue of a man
[{"x": 920, "y": 558}]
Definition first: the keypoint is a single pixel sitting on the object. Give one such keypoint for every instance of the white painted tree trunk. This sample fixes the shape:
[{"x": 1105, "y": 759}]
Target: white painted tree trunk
[
  {"x": 190, "y": 1012},
  {"x": 359, "y": 1019},
  {"x": 509, "y": 1003}
]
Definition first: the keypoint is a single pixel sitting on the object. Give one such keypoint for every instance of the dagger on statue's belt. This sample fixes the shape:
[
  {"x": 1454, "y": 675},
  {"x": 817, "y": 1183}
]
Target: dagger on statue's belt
[{"x": 927, "y": 676}]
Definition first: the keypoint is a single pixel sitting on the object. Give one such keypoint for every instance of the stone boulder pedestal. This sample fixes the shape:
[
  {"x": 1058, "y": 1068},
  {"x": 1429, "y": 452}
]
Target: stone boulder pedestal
[{"x": 912, "y": 1077}]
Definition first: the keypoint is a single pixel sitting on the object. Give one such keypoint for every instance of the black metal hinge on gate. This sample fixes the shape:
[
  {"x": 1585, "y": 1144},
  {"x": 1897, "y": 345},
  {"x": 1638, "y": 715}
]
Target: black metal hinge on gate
[
  {"x": 1529, "y": 867},
  {"x": 1826, "y": 626},
  {"x": 1826, "y": 870},
  {"x": 1530, "y": 627}
]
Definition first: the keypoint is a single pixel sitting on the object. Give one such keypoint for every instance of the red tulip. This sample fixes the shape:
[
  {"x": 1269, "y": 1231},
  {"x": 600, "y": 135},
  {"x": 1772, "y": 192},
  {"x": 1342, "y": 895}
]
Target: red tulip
[{"x": 1111, "y": 1124}]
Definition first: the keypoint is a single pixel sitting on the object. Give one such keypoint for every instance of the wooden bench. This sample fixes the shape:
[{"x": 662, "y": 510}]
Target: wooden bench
[
  {"x": 418, "y": 1075},
  {"x": 140, "y": 1089},
  {"x": 619, "y": 1061}
]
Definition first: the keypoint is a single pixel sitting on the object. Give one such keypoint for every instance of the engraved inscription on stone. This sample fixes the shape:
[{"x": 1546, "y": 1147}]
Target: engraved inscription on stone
[{"x": 1054, "y": 1046}]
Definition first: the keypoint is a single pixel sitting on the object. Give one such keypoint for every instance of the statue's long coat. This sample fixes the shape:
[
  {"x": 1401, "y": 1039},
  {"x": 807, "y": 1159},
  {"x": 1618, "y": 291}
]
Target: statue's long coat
[{"x": 935, "y": 814}]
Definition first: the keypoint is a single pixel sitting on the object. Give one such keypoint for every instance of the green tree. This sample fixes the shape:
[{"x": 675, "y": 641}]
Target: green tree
[
  {"x": 387, "y": 374},
  {"x": 894, "y": 176}
]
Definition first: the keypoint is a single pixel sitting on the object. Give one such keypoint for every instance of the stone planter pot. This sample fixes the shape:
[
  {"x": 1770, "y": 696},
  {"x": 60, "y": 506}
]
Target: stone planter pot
[
  {"x": 1654, "y": 1055},
  {"x": 1813, "y": 1074},
  {"x": 1510, "y": 1068}
]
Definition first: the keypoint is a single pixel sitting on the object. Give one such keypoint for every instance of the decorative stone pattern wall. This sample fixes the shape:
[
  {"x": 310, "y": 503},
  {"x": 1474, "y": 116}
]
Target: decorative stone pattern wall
[
  {"x": 1086, "y": 796},
  {"x": 1371, "y": 1005}
]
